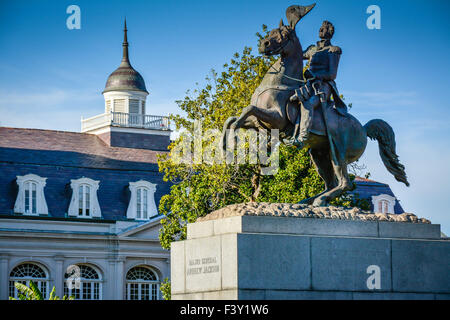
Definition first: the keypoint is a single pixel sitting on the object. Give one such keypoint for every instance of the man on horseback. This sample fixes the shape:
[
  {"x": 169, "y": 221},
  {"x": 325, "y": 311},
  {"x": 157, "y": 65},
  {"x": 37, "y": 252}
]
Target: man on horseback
[
  {"x": 273, "y": 106},
  {"x": 320, "y": 86}
]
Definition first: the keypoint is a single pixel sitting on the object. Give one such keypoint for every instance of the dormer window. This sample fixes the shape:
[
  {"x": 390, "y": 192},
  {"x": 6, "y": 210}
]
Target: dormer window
[
  {"x": 142, "y": 204},
  {"x": 30, "y": 198},
  {"x": 84, "y": 199},
  {"x": 383, "y": 206},
  {"x": 383, "y": 203},
  {"x": 84, "y": 202}
]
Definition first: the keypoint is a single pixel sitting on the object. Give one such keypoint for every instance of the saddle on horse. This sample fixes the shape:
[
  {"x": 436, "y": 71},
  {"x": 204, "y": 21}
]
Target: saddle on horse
[{"x": 308, "y": 97}]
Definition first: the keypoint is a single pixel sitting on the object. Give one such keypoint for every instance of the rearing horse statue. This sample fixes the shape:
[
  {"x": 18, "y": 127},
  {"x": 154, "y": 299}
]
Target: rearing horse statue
[{"x": 335, "y": 140}]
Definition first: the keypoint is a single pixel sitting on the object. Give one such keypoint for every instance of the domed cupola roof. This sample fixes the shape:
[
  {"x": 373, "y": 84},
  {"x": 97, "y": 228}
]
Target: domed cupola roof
[{"x": 125, "y": 78}]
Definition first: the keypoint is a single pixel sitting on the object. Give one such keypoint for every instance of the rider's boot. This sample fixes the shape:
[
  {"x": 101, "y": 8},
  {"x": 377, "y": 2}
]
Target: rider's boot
[
  {"x": 303, "y": 123},
  {"x": 291, "y": 141},
  {"x": 307, "y": 113}
]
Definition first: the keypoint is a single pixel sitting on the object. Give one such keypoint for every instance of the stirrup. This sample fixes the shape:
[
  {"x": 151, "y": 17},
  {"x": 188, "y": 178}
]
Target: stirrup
[{"x": 293, "y": 142}]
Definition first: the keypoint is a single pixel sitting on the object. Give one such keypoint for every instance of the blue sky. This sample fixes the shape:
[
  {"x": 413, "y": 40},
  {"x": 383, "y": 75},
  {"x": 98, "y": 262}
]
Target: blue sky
[{"x": 51, "y": 76}]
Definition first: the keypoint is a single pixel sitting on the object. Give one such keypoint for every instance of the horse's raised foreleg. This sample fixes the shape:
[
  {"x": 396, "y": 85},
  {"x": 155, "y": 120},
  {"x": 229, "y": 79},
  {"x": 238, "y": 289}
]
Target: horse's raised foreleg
[
  {"x": 251, "y": 114},
  {"x": 249, "y": 119},
  {"x": 226, "y": 127}
]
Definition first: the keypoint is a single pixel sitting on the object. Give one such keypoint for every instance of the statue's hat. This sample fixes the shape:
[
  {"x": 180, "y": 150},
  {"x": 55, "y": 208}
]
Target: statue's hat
[{"x": 295, "y": 13}]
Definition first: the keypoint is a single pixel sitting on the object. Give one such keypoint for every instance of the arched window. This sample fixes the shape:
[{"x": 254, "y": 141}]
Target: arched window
[
  {"x": 30, "y": 198},
  {"x": 142, "y": 284},
  {"x": 90, "y": 284},
  {"x": 26, "y": 272}
]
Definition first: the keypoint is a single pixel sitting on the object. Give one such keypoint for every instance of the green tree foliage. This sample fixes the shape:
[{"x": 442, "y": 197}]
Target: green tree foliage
[
  {"x": 33, "y": 293},
  {"x": 165, "y": 289},
  {"x": 202, "y": 188}
]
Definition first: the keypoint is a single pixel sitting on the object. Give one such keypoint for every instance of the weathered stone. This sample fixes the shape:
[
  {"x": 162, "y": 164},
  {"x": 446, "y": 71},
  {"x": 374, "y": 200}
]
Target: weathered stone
[
  {"x": 306, "y": 295},
  {"x": 203, "y": 264},
  {"x": 266, "y": 257},
  {"x": 273, "y": 262},
  {"x": 392, "y": 296},
  {"x": 409, "y": 230},
  {"x": 421, "y": 266},
  {"x": 313, "y": 226},
  {"x": 340, "y": 264},
  {"x": 177, "y": 267},
  {"x": 305, "y": 211}
]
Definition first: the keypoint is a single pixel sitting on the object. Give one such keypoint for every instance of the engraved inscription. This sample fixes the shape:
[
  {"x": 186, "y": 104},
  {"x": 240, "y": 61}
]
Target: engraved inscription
[{"x": 203, "y": 265}]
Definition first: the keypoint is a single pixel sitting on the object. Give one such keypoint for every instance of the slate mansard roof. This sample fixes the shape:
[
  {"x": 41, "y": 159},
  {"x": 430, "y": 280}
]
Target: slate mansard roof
[
  {"x": 366, "y": 188},
  {"x": 61, "y": 156}
]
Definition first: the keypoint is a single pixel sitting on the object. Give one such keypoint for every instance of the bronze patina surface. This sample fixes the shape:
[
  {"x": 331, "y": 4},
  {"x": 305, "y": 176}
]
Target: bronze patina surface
[{"x": 308, "y": 111}]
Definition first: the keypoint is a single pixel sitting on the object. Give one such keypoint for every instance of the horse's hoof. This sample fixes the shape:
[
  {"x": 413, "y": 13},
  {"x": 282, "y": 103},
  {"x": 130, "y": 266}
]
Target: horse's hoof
[
  {"x": 319, "y": 203},
  {"x": 307, "y": 201}
]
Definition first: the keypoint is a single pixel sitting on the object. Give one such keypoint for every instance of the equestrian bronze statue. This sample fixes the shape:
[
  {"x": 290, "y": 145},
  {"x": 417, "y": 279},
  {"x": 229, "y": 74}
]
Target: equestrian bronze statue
[{"x": 308, "y": 111}]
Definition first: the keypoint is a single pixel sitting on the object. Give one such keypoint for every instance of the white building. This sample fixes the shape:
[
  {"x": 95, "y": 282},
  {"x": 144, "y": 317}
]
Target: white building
[{"x": 81, "y": 208}]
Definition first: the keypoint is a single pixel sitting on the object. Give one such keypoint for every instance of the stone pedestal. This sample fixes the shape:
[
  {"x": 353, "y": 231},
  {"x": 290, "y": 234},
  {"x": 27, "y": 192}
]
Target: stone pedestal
[{"x": 264, "y": 257}]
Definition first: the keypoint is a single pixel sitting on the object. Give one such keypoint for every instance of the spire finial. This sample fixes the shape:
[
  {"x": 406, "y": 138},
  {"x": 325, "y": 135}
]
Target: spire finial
[{"x": 125, "y": 44}]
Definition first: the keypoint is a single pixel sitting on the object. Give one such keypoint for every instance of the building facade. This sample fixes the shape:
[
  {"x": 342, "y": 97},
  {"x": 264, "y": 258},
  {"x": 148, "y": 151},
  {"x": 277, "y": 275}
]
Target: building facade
[
  {"x": 379, "y": 195},
  {"x": 78, "y": 211}
]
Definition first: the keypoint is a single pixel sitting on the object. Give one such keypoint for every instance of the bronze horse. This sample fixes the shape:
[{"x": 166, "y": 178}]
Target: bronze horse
[{"x": 334, "y": 143}]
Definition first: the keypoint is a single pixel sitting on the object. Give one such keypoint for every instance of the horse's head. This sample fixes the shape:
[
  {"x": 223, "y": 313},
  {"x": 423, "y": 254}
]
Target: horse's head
[{"x": 283, "y": 39}]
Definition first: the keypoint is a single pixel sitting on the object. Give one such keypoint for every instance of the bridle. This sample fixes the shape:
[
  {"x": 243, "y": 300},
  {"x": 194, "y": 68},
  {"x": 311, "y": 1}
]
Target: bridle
[{"x": 284, "y": 43}]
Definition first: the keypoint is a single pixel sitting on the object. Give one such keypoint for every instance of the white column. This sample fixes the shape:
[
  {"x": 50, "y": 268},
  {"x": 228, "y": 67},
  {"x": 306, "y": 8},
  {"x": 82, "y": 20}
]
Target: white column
[
  {"x": 59, "y": 276},
  {"x": 120, "y": 279},
  {"x": 110, "y": 284},
  {"x": 4, "y": 277}
]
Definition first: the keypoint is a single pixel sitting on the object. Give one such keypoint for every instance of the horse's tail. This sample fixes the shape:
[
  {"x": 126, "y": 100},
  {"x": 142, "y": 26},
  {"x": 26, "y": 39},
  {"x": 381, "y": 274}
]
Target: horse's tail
[{"x": 380, "y": 130}]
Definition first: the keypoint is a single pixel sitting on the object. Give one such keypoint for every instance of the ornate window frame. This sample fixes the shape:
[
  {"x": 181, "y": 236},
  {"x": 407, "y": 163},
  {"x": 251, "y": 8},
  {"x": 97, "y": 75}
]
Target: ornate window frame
[
  {"x": 94, "y": 206},
  {"x": 90, "y": 286},
  {"x": 24, "y": 273},
  {"x": 142, "y": 283},
  {"x": 383, "y": 197},
  {"x": 41, "y": 204},
  {"x": 133, "y": 206}
]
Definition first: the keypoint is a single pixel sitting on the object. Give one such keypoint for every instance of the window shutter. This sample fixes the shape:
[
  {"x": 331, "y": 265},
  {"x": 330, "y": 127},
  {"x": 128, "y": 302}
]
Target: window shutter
[
  {"x": 134, "y": 106},
  {"x": 119, "y": 105},
  {"x": 108, "y": 106}
]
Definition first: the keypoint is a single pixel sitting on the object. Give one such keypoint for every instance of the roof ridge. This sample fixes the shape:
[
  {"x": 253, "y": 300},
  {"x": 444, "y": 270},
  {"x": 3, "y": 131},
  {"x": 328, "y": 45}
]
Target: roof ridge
[{"x": 38, "y": 129}]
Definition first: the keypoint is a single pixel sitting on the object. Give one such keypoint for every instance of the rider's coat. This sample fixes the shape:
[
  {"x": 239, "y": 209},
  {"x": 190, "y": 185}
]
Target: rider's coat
[{"x": 323, "y": 65}]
